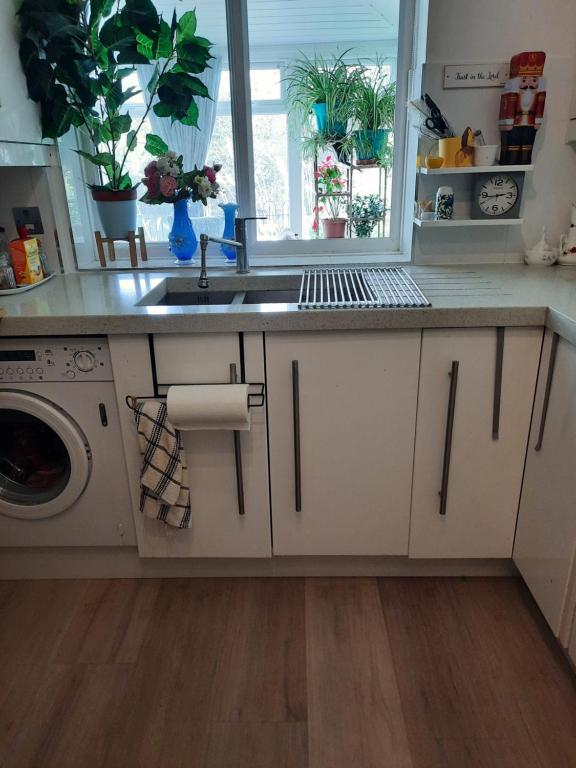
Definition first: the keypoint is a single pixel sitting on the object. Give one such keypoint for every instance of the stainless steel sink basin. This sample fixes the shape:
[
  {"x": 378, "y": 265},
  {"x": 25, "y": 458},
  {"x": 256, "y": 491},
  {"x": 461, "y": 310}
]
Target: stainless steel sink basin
[
  {"x": 272, "y": 296},
  {"x": 196, "y": 298}
]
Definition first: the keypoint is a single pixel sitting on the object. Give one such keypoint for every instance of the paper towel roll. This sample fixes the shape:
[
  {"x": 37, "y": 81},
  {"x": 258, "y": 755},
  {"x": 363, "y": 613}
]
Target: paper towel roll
[{"x": 209, "y": 406}]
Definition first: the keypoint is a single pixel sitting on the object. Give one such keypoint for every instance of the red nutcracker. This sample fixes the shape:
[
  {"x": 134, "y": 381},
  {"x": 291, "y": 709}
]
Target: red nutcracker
[{"x": 522, "y": 107}]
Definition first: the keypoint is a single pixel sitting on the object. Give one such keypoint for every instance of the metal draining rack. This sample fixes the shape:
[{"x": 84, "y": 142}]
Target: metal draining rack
[{"x": 347, "y": 288}]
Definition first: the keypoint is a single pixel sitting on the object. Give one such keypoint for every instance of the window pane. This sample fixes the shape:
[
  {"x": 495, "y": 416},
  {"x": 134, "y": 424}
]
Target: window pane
[{"x": 333, "y": 67}]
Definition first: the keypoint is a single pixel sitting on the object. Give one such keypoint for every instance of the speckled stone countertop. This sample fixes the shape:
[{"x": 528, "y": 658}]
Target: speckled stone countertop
[{"x": 108, "y": 303}]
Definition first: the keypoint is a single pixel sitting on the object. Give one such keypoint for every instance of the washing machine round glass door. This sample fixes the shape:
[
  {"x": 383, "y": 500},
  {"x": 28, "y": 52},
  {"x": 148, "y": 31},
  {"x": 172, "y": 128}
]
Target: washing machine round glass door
[{"x": 44, "y": 457}]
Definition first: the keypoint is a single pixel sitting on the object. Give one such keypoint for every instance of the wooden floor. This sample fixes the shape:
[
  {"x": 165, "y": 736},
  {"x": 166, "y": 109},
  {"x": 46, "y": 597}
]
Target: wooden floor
[{"x": 281, "y": 673}]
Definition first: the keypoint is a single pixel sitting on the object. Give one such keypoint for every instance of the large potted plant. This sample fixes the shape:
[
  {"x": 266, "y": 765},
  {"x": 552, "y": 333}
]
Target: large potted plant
[
  {"x": 365, "y": 212},
  {"x": 76, "y": 55},
  {"x": 324, "y": 87},
  {"x": 374, "y": 104}
]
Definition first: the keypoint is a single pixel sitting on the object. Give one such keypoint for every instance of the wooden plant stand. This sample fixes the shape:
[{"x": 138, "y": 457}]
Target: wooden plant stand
[{"x": 131, "y": 240}]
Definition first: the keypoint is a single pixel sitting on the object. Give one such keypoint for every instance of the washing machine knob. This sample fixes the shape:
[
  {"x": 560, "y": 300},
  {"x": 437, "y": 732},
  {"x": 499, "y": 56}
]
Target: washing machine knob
[{"x": 84, "y": 361}]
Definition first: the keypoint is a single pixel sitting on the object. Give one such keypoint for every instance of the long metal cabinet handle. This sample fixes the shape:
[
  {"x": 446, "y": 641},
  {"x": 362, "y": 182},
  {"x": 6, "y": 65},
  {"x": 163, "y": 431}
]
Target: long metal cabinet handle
[
  {"x": 549, "y": 379},
  {"x": 297, "y": 458},
  {"x": 238, "y": 454},
  {"x": 448, "y": 438},
  {"x": 498, "y": 383}
]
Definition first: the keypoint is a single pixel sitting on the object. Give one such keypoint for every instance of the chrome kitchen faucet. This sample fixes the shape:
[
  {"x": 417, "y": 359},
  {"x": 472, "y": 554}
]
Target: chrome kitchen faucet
[{"x": 242, "y": 263}]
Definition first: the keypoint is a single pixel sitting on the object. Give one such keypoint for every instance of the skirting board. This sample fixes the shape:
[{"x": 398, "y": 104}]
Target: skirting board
[{"x": 124, "y": 563}]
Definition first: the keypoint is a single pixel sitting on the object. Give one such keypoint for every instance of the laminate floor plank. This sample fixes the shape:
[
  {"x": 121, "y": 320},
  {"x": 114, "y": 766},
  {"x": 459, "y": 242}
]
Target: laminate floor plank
[
  {"x": 257, "y": 745},
  {"x": 354, "y": 709},
  {"x": 526, "y": 664},
  {"x": 261, "y": 672},
  {"x": 109, "y": 624},
  {"x": 456, "y": 646}
]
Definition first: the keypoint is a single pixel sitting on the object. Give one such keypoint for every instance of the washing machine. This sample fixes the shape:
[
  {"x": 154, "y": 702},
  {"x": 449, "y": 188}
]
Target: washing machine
[{"x": 63, "y": 479}]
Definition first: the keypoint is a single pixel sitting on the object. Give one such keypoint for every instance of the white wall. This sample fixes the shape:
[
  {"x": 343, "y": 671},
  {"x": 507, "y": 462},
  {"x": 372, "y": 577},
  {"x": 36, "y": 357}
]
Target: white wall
[
  {"x": 19, "y": 115},
  {"x": 461, "y": 31}
]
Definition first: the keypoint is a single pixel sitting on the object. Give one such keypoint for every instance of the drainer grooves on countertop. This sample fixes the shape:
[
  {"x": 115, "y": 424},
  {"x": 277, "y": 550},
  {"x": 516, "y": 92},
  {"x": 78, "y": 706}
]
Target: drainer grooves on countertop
[{"x": 326, "y": 288}]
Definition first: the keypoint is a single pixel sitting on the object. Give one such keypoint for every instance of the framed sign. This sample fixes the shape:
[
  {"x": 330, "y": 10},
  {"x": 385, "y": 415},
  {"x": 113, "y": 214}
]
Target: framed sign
[{"x": 476, "y": 75}]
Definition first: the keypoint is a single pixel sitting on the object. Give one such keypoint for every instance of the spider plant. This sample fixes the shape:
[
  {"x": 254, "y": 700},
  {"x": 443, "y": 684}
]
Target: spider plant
[
  {"x": 374, "y": 104},
  {"x": 324, "y": 86}
]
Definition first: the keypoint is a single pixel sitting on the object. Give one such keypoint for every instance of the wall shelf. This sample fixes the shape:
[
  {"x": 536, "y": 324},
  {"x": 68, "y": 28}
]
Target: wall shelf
[
  {"x": 476, "y": 169},
  {"x": 468, "y": 223}
]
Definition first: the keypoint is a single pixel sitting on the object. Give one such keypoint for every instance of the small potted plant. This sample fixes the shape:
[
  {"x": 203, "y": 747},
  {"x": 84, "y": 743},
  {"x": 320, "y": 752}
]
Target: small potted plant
[
  {"x": 166, "y": 181},
  {"x": 332, "y": 189},
  {"x": 374, "y": 104},
  {"x": 76, "y": 55},
  {"x": 365, "y": 212},
  {"x": 323, "y": 86}
]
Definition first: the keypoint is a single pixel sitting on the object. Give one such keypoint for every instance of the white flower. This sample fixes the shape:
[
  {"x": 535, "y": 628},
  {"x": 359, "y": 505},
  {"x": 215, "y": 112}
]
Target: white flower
[
  {"x": 171, "y": 154},
  {"x": 174, "y": 171},
  {"x": 163, "y": 164},
  {"x": 204, "y": 186}
]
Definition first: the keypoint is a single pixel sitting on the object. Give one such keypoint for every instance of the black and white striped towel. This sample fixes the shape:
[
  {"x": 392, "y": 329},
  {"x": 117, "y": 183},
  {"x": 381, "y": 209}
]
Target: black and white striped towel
[{"x": 164, "y": 494}]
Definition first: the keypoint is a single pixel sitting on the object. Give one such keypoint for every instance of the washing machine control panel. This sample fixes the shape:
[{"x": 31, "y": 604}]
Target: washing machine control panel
[{"x": 49, "y": 359}]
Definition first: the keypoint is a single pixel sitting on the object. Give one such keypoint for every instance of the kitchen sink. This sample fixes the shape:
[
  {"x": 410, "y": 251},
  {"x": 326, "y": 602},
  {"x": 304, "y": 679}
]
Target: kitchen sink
[
  {"x": 196, "y": 298},
  {"x": 272, "y": 296}
]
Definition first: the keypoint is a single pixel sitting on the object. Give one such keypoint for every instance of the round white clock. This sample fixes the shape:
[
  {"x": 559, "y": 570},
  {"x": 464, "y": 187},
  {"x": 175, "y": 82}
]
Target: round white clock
[{"x": 497, "y": 195}]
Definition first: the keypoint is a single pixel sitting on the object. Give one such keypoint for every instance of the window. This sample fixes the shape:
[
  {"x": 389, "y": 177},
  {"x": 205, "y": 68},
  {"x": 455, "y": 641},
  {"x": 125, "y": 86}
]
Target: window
[{"x": 299, "y": 166}]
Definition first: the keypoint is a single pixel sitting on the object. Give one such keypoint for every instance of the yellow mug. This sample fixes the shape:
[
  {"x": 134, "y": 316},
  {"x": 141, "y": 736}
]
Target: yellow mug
[{"x": 453, "y": 154}]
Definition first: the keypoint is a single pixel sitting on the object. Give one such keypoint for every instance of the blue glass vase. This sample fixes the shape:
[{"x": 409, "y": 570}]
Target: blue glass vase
[
  {"x": 230, "y": 210},
  {"x": 182, "y": 238}
]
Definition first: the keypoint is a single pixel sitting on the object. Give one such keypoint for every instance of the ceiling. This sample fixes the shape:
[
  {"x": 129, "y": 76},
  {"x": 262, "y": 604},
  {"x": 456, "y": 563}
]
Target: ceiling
[{"x": 297, "y": 22}]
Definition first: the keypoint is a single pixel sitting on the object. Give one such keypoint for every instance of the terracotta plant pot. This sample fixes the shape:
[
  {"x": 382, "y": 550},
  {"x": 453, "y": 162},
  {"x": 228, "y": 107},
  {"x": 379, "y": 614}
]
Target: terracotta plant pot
[
  {"x": 334, "y": 228},
  {"x": 116, "y": 210}
]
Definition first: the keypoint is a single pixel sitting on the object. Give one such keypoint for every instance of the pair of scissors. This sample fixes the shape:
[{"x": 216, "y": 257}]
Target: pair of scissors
[{"x": 436, "y": 121}]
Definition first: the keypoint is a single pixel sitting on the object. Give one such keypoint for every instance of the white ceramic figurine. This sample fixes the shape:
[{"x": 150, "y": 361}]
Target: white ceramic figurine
[{"x": 542, "y": 254}]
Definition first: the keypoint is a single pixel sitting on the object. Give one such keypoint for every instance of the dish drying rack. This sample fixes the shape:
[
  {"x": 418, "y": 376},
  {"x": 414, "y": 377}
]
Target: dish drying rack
[{"x": 348, "y": 288}]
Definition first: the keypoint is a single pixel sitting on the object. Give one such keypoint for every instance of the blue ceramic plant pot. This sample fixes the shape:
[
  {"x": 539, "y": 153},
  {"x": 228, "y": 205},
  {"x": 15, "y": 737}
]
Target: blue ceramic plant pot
[
  {"x": 334, "y": 128},
  {"x": 182, "y": 238},
  {"x": 369, "y": 144},
  {"x": 230, "y": 210}
]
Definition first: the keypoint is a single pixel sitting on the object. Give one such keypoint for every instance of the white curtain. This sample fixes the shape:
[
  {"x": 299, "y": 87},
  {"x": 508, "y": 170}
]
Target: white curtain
[{"x": 192, "y": 143}]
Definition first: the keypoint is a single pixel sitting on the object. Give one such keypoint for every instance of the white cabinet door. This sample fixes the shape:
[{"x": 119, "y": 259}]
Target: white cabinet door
[
  {"x": 357, "y": 407},
  {"x": 483, "y": 476},
  {"x": 546, "y": 535},
  {"x": 218, "y": 530}
]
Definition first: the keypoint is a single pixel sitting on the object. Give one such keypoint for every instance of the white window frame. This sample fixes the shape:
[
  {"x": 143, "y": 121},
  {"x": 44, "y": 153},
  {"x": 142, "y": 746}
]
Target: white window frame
[
  {"x": 408, "y": 53},
  {"x": 287, "y": 252}
]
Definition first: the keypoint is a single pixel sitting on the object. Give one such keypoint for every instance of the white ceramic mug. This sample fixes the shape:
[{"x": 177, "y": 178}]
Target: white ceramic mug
[{"x": 485, "y": 155}]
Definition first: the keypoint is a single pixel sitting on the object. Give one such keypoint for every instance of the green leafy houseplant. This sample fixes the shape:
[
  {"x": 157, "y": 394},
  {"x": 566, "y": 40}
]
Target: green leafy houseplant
[
  {"x": 374, "y": 105},
  {"x": 366, "y": 211},
  {"x": 76, "y": 55},
  {"x": 324, "y": 86}
]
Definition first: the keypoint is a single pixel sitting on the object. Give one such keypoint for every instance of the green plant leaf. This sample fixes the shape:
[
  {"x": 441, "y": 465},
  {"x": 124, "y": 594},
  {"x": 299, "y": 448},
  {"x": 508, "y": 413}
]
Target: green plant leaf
[
  {"x": 145, "y": 45},
  {"x": 164, "y": 42},
  {"x": 131, "y": 55},
  {"x": 153, "y": 82},
  {"x": 56, "y": 114},
  {"x": 186, "y": 28},
  {"x": 125, "y": 182},
  {"x": 192, "y": 57},
  {"x": 142, "y": 15},
  {"x": 119, "y": 125},
  {"x": 131, "y": 140},
  {"x": 191, "y": 116},
  {"x": 99, "y": 9},
  {"x": 102, "y": 159},
  {"x": 162, "y": 110},
  {"x": 182, "y": 82},
  {"x": 155, "y": 145},
  {"x": 115, "y": 34}
]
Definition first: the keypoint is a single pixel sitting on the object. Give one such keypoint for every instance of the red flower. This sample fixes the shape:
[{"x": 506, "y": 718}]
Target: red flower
[
  {"x": 153, "y": 184},
  {"x": 151, "y": 168},
  {"x": 210, "y": 174},
  {"x": 168, "y": 185}
]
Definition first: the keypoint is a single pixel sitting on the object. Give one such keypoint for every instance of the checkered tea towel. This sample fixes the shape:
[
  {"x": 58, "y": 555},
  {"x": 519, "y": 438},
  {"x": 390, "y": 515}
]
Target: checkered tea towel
[{"x": 164, "y": 494}]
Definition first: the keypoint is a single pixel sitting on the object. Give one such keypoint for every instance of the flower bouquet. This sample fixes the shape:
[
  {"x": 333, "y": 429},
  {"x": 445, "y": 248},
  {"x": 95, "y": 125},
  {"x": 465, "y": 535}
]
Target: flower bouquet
[{"x": 166, "y": 181}]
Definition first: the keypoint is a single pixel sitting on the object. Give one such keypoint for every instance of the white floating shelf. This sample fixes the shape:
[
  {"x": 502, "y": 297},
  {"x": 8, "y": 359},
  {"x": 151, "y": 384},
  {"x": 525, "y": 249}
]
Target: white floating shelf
[
  {"x": 468, "y": 222},
  {"x": 475, "y": 169}
]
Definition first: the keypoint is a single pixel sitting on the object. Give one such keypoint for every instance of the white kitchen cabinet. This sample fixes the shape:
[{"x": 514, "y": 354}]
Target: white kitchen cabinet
[
  {"x": 347, "y": 400},
  {"x": 545, "y": 544},
  {"x": 218, "y": 530},
  {"x": 19, "y": 115},
  {"x": 465, "y": 500}
]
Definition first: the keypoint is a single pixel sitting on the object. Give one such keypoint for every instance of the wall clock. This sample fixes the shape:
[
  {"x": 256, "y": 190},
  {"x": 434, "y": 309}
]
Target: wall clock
[{"x": 497, "y": 195}]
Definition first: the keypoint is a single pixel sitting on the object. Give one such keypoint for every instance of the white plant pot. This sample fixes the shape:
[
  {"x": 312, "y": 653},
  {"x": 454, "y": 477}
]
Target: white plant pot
[{"x": 116, "y": 211}]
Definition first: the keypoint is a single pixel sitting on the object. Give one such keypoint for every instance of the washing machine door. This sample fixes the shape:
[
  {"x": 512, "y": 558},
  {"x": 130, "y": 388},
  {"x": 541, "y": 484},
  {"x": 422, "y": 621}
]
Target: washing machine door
[{"x": 45, "y": 459}]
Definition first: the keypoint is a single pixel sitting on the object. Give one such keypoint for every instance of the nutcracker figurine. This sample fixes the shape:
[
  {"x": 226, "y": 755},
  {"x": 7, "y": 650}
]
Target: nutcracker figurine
[{"x": 522, "y": 107}]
